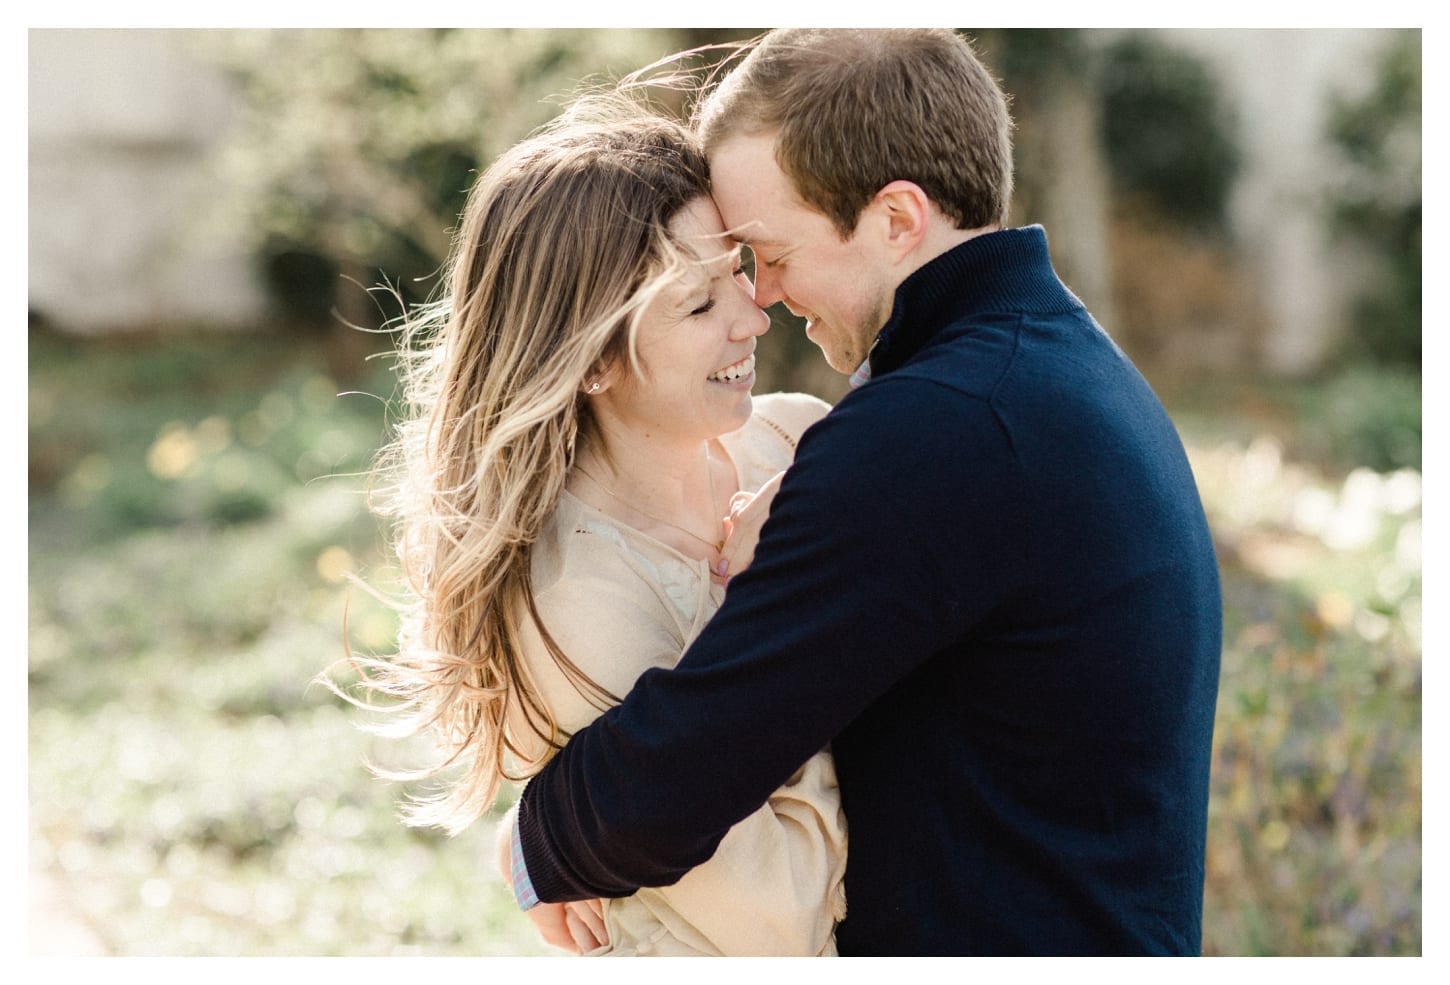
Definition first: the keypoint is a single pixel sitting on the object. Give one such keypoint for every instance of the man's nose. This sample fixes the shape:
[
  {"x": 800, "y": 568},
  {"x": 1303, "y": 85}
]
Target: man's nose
[{"x": 767, "y": 286}]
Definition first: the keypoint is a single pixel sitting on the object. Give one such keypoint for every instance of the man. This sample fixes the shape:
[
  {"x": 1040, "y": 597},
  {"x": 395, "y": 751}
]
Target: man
[{"x": 986, "y": 582}]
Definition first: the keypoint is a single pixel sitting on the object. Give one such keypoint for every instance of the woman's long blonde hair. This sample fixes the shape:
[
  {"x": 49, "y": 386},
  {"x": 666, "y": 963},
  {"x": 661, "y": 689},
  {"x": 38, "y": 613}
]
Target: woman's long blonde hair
[{"x": 562, "y": 244}]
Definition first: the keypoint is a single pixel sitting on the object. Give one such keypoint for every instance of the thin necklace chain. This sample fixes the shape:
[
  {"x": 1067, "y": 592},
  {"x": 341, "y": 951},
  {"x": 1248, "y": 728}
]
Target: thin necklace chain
[{"x": 715, "y": 545}]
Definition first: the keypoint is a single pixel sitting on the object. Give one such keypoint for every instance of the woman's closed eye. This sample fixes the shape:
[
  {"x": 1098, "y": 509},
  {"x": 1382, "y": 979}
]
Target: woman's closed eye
[{"x": 705, "y": 306}]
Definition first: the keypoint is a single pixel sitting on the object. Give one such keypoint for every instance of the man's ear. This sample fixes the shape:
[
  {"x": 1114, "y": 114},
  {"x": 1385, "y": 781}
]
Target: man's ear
[{"x": 906, "y": 212}]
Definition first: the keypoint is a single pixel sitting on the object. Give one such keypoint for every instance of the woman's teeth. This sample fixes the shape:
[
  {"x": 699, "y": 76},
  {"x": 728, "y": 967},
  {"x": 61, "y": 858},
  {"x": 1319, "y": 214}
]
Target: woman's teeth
[{"x": 738, "y": 371}]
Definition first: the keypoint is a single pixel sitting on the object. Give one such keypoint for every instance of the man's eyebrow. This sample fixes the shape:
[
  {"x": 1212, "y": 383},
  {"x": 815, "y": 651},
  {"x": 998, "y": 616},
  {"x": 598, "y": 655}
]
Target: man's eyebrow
[{"x": 743, "y": 235}]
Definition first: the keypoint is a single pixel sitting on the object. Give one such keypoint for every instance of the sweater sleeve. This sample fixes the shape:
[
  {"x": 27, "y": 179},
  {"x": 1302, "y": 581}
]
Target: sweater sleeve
[{"x": 889, "y": 539}]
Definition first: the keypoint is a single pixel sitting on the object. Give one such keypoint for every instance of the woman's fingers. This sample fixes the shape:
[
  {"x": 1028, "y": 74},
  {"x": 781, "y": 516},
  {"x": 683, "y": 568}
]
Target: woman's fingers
[
  {"x": 748, "y": 513},
  {"x": 583, "y": 923}
]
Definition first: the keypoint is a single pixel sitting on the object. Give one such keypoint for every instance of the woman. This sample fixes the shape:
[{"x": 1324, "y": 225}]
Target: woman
[{"x": 581, "y": 417}]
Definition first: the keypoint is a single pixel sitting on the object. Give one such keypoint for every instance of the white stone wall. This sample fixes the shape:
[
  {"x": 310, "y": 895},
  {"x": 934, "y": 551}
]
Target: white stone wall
[
  {"x": 121, "y": 122},
  {"x": 1280, "y": 82}
]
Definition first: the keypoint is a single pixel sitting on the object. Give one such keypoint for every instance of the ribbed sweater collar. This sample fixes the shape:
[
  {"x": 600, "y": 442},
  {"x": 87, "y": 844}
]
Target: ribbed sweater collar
[{"x": 1008, "y": 270}]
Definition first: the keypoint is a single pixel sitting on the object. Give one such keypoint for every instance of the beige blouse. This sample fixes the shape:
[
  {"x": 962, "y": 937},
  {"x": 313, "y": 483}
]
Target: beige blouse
[{"x": 619, "y": 602}]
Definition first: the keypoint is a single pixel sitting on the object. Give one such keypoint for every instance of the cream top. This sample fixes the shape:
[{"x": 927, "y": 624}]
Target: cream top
[{"x": 619, "y": 602}]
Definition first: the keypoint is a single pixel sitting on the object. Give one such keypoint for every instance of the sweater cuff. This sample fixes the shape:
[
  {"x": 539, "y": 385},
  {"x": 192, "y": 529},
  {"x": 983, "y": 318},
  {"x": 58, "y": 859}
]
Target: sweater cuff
[{"x": 519, "y": 872}]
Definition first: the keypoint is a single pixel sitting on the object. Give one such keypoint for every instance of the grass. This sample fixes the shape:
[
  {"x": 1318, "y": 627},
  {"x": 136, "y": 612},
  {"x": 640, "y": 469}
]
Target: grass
[{"x": 196, "y": 506}]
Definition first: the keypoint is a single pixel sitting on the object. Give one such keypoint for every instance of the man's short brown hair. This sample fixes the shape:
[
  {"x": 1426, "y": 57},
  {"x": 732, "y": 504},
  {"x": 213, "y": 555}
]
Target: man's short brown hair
[{"x": 855, "y": 109}]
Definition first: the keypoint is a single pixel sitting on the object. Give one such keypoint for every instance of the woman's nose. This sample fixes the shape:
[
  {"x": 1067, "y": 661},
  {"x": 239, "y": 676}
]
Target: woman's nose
[{"x": 750, "y": 320}]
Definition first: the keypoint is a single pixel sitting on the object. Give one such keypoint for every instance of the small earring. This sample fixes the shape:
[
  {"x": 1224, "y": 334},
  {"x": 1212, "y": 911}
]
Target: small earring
[{"x": 593, "y": 387}]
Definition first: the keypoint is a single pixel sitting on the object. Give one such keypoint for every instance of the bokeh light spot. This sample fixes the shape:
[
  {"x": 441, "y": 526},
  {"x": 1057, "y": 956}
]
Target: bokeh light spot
[
  {"x": 173, "y": 453},
  {"x": 334, "y": 564}
]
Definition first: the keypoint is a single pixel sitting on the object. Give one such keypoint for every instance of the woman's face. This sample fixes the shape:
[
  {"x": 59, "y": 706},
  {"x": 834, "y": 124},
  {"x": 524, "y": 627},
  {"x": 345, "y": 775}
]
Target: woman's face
[{"x": 696, "y": 341}]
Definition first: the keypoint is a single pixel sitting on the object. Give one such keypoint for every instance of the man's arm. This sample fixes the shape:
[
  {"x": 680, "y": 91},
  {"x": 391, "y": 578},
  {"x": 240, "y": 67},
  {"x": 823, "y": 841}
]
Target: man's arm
[{"x": 859, "y": 576}]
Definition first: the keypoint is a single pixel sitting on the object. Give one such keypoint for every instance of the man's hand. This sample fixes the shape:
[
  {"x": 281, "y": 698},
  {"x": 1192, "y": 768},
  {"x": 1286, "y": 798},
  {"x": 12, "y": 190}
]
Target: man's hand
[
  {"x": 576, "y": 927},
  {"x": 748, "y": 512}
]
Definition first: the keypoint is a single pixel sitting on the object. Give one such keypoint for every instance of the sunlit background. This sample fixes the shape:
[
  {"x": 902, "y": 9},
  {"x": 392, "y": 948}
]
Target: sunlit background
[{"x": 208, "y": 213}]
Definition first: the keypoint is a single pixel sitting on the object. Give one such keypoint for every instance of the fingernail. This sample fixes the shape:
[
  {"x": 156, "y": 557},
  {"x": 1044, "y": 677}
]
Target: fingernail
[{"x": 722, "y": 566}]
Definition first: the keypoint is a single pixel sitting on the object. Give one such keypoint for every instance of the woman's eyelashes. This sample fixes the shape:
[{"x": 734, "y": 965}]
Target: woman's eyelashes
[{"x": 705, "y": 306}]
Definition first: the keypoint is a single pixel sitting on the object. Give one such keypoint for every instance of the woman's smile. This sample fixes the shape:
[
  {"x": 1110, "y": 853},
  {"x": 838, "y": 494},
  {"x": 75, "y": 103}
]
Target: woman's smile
[{"x": 742, "y": 372}]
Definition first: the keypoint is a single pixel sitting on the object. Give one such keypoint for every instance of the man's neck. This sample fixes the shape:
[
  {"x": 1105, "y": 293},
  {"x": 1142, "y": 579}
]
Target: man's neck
[{"x": 942, "y": 237}]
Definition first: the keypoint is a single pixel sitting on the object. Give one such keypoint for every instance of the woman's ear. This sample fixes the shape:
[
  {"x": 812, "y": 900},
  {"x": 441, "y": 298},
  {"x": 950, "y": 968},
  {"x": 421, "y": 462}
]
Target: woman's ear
[
  {"x": 600, "y": 378},
  {"x": 906, "y": 213},
  {"x": 595, "y": 382}
]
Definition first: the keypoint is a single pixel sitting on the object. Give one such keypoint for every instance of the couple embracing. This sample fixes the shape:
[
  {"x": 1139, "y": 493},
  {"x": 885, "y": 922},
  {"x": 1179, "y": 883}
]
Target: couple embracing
[{"x": 930, "y": 672}]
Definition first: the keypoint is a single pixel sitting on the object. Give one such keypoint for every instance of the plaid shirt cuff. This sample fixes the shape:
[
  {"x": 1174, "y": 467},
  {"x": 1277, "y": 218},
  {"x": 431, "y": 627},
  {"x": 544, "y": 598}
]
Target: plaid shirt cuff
[{"x": 519, "y": 873}]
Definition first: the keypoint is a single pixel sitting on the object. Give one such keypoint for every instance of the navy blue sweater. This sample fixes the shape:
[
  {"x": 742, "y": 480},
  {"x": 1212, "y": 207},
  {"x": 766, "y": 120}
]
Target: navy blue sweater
[{"x": 988, "y": 583}]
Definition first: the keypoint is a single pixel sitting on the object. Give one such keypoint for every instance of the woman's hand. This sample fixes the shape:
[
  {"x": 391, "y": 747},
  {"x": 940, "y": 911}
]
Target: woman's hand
[
  {"x": 748, "y": 512},
  {"x": 576, "y": 927}
]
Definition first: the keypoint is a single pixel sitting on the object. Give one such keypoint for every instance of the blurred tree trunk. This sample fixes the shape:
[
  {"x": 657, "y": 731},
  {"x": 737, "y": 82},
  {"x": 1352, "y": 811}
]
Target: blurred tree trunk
[
  {"x": 1072, "y": 197},
  {"x": 1061, "y": 169}
]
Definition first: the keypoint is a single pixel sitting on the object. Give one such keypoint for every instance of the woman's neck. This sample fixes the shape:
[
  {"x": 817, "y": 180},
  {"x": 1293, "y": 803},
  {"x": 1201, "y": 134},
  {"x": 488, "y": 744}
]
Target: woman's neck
[{"x": 676, "y": 491}]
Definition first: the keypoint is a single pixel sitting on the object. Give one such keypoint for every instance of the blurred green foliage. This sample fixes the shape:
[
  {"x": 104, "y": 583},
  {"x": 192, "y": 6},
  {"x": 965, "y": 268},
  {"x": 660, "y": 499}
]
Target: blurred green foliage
[
  {"x": 192, "y": 794},
  {"x": 1377, "y": 202},
  {"x": 196, "y": 509},
  {"x": 1167, "y": 131},
  {"x": 355, "y": 149},
  {"x": 1368, "y": 414},
  {"x": 1364, "y": 415}
]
